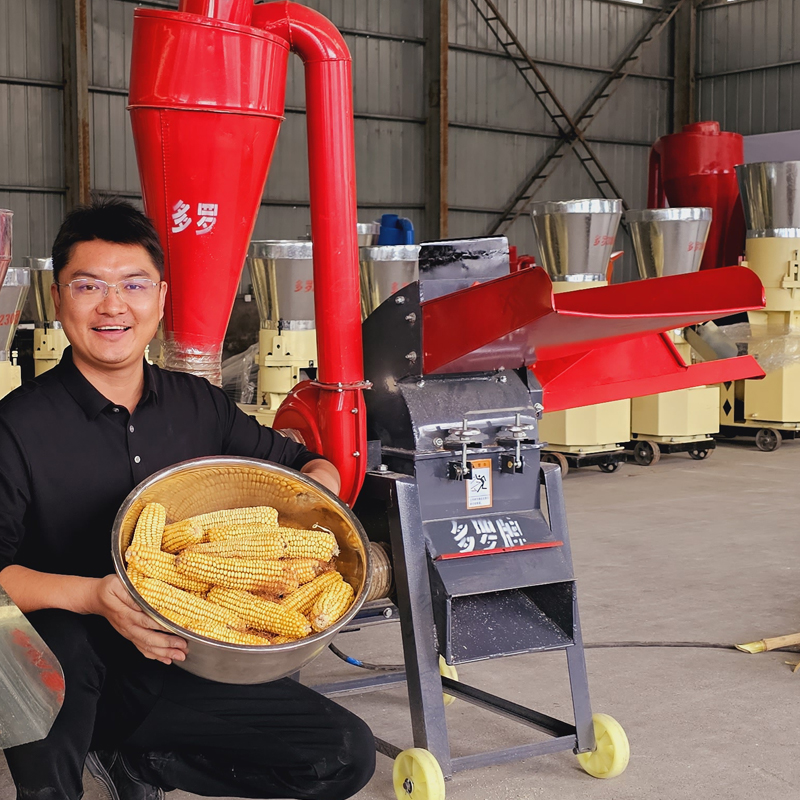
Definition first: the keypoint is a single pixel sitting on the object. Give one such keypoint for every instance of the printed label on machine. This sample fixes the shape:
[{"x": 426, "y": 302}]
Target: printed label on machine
[
  {"x": 479, "y": 488},
  {"x": 488, "y": 534}
]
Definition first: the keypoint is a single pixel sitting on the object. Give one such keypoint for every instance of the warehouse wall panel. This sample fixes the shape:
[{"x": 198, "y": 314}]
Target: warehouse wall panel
[
  {"x": 575, "y": 43},
  {"x": 31, "y": 122},
  {"x": 587, "y": 33},
  {"x": 749, "y": 65}
]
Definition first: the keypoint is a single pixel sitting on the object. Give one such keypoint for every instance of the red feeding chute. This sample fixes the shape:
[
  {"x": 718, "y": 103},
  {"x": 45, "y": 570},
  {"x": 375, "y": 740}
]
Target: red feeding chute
[
  {"x": 696, "y": 168},
  {"x": 206, "y": 101},
  {"x": 590, "y": 346}
]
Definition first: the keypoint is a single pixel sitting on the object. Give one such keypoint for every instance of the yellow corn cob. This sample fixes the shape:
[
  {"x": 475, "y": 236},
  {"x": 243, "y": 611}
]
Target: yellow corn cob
[
  {"x": 221, "y": 533},
  {"x": 174, "y": 602},
  {"x": 303, "y": 598},
  {"x": 263, "y": 545},
  {"x": 252, "y": 575},
  {"x": 261, "y": 614},
  {"x": 331, "y": 605},
  {"x": 300, "y": 543},
  {"x": 306, "y": 569},
  {"x": 263, "y": 515},
  {"x": 134, "y": 575},
  {"x": 149, "y": 527},
  {"x": 282, "y": 639},
  {"x": 223, "y": 633},
  {"x": 181, "y": 534},
  {"x": 157, "y": 564}
]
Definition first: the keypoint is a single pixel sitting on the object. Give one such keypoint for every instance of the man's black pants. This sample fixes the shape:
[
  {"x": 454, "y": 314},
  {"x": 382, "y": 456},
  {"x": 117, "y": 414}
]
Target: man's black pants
[{"x": 272, "y": 740}]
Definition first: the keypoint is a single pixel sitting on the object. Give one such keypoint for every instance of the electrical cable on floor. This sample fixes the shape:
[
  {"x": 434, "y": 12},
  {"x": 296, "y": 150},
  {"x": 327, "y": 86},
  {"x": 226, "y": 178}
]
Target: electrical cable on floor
[
  {"x": 590, "y": 646},
  {"x": 365, "y": 664}
]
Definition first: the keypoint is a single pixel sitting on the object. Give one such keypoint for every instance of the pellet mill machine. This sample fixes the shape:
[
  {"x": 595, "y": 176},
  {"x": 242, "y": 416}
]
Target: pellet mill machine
[
  {"x": 769, "y": 409},
  {"x": 14, "y": 285},
  {"x": 49, "y": 339},
  {"x": 671, "y": 241},
  {"x": 432, "y": 419},
  {"x": 282, "y": 280}
]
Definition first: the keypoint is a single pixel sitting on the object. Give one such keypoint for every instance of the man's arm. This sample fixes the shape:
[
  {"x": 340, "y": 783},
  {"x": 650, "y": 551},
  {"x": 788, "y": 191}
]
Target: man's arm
[
  {"x": 323, "y": 472},
  {"x": 107, "y": 597}
]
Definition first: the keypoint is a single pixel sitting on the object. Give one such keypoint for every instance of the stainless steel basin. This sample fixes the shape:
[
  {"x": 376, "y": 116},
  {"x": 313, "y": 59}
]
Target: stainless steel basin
[{"x": 210, "y": 484}]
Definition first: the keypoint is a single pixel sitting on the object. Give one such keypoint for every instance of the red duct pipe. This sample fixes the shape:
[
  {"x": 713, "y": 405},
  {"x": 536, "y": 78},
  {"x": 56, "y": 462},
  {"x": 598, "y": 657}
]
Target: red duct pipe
[{"x": 329, "y": 413}]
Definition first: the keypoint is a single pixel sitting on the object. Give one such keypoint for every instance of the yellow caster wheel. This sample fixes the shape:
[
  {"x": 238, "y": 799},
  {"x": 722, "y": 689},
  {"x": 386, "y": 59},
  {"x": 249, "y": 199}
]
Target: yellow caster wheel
[
  {"x": 417, "y": 776},
  {"x": 446, "y": 671},
  {"x": 611, "y": 756}
]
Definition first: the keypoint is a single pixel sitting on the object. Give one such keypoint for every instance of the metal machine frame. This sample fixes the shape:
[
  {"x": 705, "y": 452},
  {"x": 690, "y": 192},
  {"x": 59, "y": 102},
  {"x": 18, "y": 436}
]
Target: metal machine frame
[{"x": 421, "y": 651}]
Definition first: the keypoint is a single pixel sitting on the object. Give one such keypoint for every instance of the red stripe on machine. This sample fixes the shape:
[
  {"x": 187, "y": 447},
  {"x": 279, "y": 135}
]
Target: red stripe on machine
[{"x": 534, "y": 546}]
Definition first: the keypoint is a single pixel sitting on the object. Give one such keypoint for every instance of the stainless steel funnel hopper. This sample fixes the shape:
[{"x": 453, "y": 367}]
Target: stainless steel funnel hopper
[
  {"x": 576, "y": 237},
  {"x": 386, "y": 269},
  {"x": 668, "y": 241},
  {"x": 770, "y": 193},
  {"x": 13, "y": 294},
  {"x": 5, "y": 242},
  {"x": 282, "y": 275},
  {"x": 41, "y": 274}
]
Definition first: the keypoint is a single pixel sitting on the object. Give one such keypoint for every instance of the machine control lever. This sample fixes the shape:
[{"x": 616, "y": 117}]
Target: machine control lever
[
  {"x": 460, "y": 439},
  {"x": 514, "y": 434}
]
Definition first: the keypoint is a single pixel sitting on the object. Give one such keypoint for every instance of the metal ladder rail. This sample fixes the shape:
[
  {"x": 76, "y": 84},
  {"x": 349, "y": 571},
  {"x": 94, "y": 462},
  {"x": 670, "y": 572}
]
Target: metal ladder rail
[
  {"x": 588, "y": 111},
  {"x": 567, "y": 128}
]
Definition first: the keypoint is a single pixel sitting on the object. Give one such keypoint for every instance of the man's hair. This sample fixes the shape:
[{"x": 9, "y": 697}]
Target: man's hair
[{"x": 109, "y": 220}]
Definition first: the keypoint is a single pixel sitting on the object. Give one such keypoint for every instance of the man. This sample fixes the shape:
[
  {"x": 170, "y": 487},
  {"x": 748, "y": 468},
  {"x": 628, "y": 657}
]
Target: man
[{"x": 73, "y": 443}]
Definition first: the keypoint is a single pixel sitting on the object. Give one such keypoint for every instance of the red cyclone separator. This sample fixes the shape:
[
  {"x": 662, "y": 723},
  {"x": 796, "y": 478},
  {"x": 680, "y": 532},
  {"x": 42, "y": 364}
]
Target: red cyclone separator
[
  {"x": 206, "y": 102},
  {"x": 696, "y": 168},
  {"x": 330, "y": 413}
]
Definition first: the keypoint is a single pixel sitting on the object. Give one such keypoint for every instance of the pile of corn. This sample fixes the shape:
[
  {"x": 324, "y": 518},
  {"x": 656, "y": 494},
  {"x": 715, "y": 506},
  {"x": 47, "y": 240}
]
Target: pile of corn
[{"x": 238, "y": 576}]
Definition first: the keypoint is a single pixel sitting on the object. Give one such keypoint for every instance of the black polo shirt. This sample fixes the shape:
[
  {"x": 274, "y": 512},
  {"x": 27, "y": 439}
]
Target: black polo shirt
[{"x": 69, "y": 457}]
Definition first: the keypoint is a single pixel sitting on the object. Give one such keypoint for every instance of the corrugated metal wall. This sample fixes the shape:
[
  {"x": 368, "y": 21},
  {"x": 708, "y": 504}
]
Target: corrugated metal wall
[
  {"x": 31, "y": 123},
  {"x": 499, "y": 131},
  {"x": 749, "y": 65}
]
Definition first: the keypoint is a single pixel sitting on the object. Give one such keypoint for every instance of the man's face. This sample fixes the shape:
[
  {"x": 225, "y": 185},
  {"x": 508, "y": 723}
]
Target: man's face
[{"x": 112, "y": 332}]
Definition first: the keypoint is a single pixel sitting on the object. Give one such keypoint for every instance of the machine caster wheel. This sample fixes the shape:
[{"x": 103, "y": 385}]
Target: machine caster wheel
[
  {"x": 646, "y": 453},
  {"x": 768, "y": 439},
  {"x": 557, "y": 458},
  {"x": 417, "y": 775},
  {"x": 612, "y": 466},
  {"x": 700, "y": 453},
  {"x": 610, "y": 756},
  {"x": 447, "y": 671}
]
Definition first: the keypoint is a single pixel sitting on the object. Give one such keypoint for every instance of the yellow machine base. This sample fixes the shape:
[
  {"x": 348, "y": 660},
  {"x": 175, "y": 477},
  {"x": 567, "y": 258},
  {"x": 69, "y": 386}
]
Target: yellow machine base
[
  {"x": 48, "y": 347},
  {"x": 683, "y": 415},
  {"x": 10, "y": 377},
  {"x": 772, "y": 402},
  {"x": 588, "y": 428},
  {"x": 282, "y": 355}
]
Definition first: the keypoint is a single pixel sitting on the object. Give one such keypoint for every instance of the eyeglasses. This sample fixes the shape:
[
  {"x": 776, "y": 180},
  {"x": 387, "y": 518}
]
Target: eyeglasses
[{"x": 93, "y": 290}]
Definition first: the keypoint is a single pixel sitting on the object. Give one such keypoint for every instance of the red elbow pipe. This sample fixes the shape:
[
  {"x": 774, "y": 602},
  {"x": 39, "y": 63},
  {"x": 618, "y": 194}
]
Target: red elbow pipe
[
  {"x": 335, "y": 417},
  {"x": 332, "y": 171}
]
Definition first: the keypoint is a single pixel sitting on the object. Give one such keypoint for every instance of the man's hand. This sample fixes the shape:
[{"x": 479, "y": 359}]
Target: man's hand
[
  {"x": 112, "y": 601},
  {"x": 325, "y": 473}
]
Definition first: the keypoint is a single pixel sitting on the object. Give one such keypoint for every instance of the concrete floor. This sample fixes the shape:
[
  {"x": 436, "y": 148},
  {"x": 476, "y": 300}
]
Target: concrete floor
[{"x": 684, "y": 551}]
